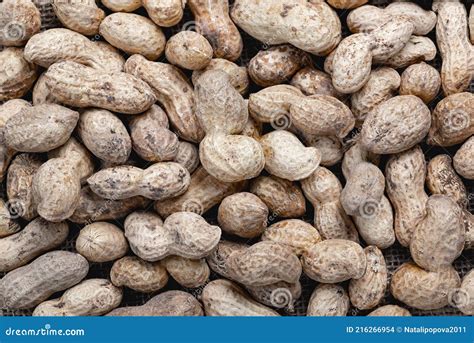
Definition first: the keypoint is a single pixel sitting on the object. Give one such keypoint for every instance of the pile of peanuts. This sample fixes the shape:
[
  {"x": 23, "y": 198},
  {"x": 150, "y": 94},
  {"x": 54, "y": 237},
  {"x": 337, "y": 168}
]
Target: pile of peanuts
[{"x": 127, "y": 139}]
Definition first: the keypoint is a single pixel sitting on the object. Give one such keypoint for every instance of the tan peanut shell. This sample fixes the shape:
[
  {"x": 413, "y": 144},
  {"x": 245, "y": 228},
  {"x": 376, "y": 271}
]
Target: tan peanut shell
[
  {"x": 453, "y": 120},
  {"x": 185, "y": 234},
  {"x": 422, "y": 289},
  {"x": 276, "y": 65},
  {"x": 349, "y": 75},
  {"x": 101, "y": 242},
  {"x": 354, "y": 155},
  {"x": 471, "y": 25},
  {"x": 91, "y": 207},
  {"x": 353, "y": 57},
  {"x": 328, "y": 300},
  {"x": 153, "y": 141},
  {"x": 368, "y": 291},
  {"x": 468, "y": 220},
  {"x": 225, "y": 298},
  {"x": 133, "y": 34},
  {"x": 81, "y": 16},
  {"x": 323, "y": 190},
  {"x": 295, "y": 233},
  {"x": 252, "y": 128},
  {"x": 21, "y": 19},
  {"x": 417, "y": 49},
  {"x": 118, "y": 92},
  {"x": 456, "y": 50},
  {"x": 364, "y": 188},
  {"x": 20, "y": 184},
  {"x": 104, "y": 134},
  {"x": 330, "y": 147},
  {"x": 286, "y": 157},
  {"x": 122, "y": 5},
  {"x": 170, "y": 303},
  {"x": 367, "y": 18},
  {"x": 41, "y": 92},
  {"x": 405, "y": 177},
  {"x": 239, "y": 78},
  {"x": 312, "y": 82},
  {"x": 421, "y": 80},
  {"x": 159, "y": 181},
  {"x": 272, "y": 104},
  {"x": 187, "y": 155},
  {"x": 163, "y": 12},
  {"x": 189, "y": 273},
  {"x": 231, "y": 158},
  {"x": 204, "y": 192},
  {"x": 189, "y": 50},
  {"x": 55, "y": 45},
  {"x": 442, "y": 179},
  {"x": 282, "y": 197},
  {"x": 113, "y": 57},
  {"x": 322, "y": 115},
  {"x": 219, "y": 106},
  {"x": 382, "y": 84},
  {"x": 328, "y": 67},
  {"x": 37, "y": 237},
  {"x": 391, "y": 37},
  {"x": 390, "y": 311},
  {"x": 264, "y": 263},
  {"x": 464, "y": 297},
  {"x": 213, "y": 22},
  {"x": 219, "y": 257},
  {"x": 27, "y": 286},
  {"x": 173, "y": 91},
  {"x": 277, "y": 295},
  {"x": 346, "y": 4},
  {"x": 56, "y": 188},
  {"x": 40, "y": 128},
  {"x": 396, "y": 125},
  {"x": 464, "y": 160},
  {"x": 375, "y": 220},
  {"x": 139, "y": 275},
  {"x": 6, "y": 155},
  {"x": 17, "y": 75},
  {"x": 334, "y": 260},
  {"x": 376, "y": 225},
  {"x": 243, "y": 214},
  {"x": 9, "y": 109},
  {"x": 74, "y": 150},
  {"x": 92, "y": 297},
  {"x": 312, "y": 27},
  {"x": 8, "y": 226},
  {"x": 439, "y": 237}
]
